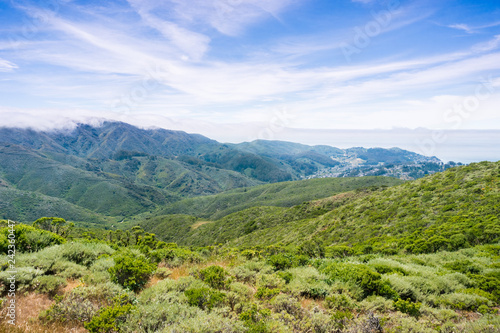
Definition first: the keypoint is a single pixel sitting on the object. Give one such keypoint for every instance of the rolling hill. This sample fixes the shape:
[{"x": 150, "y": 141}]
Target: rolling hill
[
  {"x": 118, "y": 171},
  {"x": 453, "y": 209}
]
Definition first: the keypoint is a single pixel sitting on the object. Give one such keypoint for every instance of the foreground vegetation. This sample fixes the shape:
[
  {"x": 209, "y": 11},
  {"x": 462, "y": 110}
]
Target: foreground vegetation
[{"x": 139, "y": 284}]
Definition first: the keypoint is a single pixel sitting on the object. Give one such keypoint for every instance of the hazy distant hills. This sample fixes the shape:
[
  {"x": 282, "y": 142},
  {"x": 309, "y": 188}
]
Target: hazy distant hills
[{"x": 120, "y": 170}]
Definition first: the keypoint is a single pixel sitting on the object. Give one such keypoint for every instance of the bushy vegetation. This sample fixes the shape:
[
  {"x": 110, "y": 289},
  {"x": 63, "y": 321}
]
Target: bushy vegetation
[{"x": 130, "y": 281}]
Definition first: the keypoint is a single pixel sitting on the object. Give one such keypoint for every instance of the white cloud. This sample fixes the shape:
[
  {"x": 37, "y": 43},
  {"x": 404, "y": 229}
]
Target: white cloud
[{"x": 7, "y": 66}]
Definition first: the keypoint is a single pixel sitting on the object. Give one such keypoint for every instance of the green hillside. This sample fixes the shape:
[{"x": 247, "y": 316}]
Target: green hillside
[
  {"x": 285, "y": 194},
  {"x": 25, "y": 206},
  {"x": 450, "y": 210}
]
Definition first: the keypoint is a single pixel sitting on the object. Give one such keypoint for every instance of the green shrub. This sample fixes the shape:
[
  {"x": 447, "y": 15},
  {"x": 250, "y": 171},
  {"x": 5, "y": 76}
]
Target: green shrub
[
  {"x": 69, "y": 270},
  {"x": 408, "y": 307},
  {"x": 266, "y": 293},
  {"x": 214, "y": 276},
  {"x": 281, "y": 261},
  {"x": 108, "y": 319},
  {"x": 464, "y": 266},
  {"x": 462, "y": 301},
  {"x": 157, "y": 317},
  {"x": 162, "y": 272},
  {"x": 28, "y": 238},
  {"x": 254, "y": 318},
  {"x": 174, "y": 257},
  {"x": 386, "y": 269},
  {"x": 204, "y": 298},
  {"x": 287, "y": 303},
  {"x": 24, "y": 278},
  {"x": 342, "y": 319},
  {"x": 370, "y": 281},
  {"x": 48, "y": 284},
  {"x": 341, "y": 302},
  {"x": 85, "y": 253},
  {"x": 103, "y": 294},
  {"x": 72, "y": 308},
  {"x": 339, "y": 251},
  {"x": 286, "y": 276},
  {"x": 131, "y": 271},
  {"x": 270, "y": 281}
]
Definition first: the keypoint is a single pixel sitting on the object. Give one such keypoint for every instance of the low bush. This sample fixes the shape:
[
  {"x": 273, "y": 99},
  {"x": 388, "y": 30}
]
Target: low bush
[
  {"x": 85, "y": 253},
  {"x": 340, "y": 302},
  {"x": 72, "y": 308},
  {"x": 408, "y": 307},
  {"x": 214, "y": 276},
  {"x": 48, "y": 284},
  {"x": 28, "y": 238},
  {"x": 370, "y": 281},
  {"x": 204, "y": 298},
  {"x": 266, "y": 293},
  {"x": 131, "y": 271},
  {"x": 108, "y": 319},
  {"x": 461, "y": 301}
]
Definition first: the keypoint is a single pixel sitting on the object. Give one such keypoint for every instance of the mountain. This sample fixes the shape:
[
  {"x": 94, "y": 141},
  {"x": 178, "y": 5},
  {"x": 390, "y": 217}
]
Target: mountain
[
  {"x": 446, "y": 211},
  {"x": 117, "y": 170}
]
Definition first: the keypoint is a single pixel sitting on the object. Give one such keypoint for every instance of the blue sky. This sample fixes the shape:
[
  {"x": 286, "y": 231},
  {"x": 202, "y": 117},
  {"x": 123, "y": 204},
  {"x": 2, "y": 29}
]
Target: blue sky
[{"x": 243, "y": 69}]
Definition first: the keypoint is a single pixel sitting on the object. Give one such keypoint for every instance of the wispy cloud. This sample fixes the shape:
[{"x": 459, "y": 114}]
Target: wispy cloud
[
  {"x": 473, "y": 29},
  {"x": 7, "y": 66}
]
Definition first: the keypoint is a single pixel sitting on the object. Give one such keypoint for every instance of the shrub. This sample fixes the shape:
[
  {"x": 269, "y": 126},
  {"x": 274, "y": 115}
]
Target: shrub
[
  {"x": 162, "y": 272},
  {"x": 270, "y": 281},
  {"x": 69, "y": 270},
  {"x": 175, "y": 256},
  {"x": 286, "y": 276},
  {"x": 463, "y": 266},
  {"x": 254, "y": 318},
  {"x": 156, "y": 317},
  {"x": 103, "y": 294},
  {"x": 281, "y": 261},
  {"x": 462, "y": 301},
  {"x": 339, "y": 251},
  {"x": 208, "y": 323},
  {"x": 131, "y": 271},
  {"x": 341, "y": 302},
  {"x": 204, "y": 298},
  {"x": 214, "y": 276},
  {"x": 408, "y": 307},
  {"x": 289, "y": 304},
  {"x": 342, "y": 319},
  {"x": 85, "y": 253},
  {"x": 24, "y": 277},
  {"x": 48, "y": 284},
  {"x": 108, "y": 318},
  {"x": 73, "y": 309},
  {"x": 361, "y": 275},
  {"x": 266, "y": 293},
  {"x": 29, "y": 239}
]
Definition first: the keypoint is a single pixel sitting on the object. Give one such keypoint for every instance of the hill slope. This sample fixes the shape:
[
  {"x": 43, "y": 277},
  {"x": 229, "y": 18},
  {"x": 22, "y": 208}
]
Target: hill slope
[
  {"x": 285, "y": 194},
  {"x": 449, "y": 210}
]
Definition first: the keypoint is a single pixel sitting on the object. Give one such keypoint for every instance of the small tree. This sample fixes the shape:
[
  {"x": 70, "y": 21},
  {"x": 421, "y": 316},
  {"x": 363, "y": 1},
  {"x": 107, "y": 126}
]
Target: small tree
[{"x": 131, "y": 271}]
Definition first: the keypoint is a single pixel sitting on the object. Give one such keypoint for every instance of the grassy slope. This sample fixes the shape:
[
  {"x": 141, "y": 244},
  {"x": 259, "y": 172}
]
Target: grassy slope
[
  {"x": 25, "y": 206},
  {"x": 284, "y": 194},
  {"x": 456, "y": 208}
]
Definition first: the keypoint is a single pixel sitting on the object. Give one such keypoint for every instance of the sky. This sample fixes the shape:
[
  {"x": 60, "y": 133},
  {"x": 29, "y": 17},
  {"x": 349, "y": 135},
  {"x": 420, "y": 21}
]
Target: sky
[{"x": 237, "y": 70}]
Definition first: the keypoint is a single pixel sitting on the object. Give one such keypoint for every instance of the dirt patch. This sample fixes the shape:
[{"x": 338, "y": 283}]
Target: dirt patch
[{"x": 199, "y": 224}]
